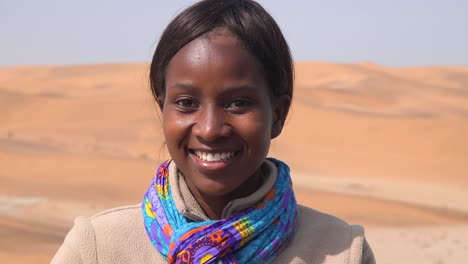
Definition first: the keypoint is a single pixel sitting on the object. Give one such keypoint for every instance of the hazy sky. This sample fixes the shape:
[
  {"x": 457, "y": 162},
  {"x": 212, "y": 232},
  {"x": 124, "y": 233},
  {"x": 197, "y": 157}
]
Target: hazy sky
[{"x": 395, "y": 33}]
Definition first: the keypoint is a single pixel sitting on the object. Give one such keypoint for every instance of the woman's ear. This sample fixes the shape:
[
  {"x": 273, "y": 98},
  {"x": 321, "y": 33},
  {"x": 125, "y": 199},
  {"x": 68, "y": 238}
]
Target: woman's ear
[{"x": 280, "y": 112}]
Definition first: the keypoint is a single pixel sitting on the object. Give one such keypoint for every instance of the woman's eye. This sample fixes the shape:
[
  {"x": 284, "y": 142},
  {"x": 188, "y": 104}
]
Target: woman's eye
[
  {"x": 186, "y": 104},
  {"x": 239, "y": 104}
]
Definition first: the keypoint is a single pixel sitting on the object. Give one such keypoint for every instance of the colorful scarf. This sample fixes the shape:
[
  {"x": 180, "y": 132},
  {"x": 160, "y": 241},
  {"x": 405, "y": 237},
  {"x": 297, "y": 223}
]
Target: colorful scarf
[{"x": 256, "y": 235}]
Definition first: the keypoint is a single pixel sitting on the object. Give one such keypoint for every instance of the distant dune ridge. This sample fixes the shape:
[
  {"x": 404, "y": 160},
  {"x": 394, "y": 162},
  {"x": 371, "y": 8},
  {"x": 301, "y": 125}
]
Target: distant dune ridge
[{"x": 383, "y": 147}]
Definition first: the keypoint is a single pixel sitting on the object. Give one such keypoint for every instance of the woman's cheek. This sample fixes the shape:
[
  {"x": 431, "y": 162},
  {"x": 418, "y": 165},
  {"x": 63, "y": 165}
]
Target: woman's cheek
[{"x": 175, "y": 126}]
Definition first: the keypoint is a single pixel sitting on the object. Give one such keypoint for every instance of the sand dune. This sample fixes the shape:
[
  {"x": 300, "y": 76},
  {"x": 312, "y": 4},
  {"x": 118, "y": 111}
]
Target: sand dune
[{"x": 384, "y": 147}]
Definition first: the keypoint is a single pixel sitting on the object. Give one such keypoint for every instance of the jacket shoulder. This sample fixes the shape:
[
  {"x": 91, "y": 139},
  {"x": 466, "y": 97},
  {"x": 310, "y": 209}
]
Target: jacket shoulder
[
  {"x": 79, "y": 246},
  {"x": 117, "y": 217},
  {"x": 323, "y": 238},
  {"x": 311, "y": 220},
  {"x": 115, "y": 235},
  {"x": 121, "y": 236}
]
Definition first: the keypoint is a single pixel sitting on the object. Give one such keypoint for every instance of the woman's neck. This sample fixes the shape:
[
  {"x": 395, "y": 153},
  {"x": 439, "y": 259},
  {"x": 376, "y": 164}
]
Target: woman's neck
[{"x": 214, "y": 205}]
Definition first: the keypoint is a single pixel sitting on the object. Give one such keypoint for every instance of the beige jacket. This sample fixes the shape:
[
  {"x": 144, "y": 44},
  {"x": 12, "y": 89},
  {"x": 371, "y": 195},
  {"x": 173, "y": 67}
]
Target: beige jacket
[{"x": 118, "y": 235}]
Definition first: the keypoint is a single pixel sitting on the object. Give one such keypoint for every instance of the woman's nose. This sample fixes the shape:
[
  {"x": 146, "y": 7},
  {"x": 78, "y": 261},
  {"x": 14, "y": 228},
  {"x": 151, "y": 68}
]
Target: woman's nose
[{"x": 211, "y": 124}]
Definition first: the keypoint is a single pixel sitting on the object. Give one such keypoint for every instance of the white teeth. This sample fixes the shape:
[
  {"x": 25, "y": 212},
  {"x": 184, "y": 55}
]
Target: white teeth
[{"x": 210, "y": 157}]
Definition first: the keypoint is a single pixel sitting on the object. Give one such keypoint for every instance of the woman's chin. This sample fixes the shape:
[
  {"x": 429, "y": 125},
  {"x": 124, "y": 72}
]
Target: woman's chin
[{"x": 215, "y": 189}]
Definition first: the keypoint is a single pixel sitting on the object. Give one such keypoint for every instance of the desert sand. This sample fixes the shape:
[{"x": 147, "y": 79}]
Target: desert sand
[{"x": 383, "y": 147}]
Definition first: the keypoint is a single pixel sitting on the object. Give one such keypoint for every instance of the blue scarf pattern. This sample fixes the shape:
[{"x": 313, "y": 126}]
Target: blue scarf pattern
[{"x": 256, "y": 235}]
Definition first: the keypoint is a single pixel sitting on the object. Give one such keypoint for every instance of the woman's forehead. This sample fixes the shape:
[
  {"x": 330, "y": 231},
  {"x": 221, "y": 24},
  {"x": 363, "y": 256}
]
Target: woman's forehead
[
  {"x": 212, "y": 45},
  {"x": 217, "y": 54}
]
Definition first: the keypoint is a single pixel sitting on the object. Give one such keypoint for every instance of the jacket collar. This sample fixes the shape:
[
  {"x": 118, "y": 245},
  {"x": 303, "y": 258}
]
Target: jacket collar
[{"x": 189, "y": 207}]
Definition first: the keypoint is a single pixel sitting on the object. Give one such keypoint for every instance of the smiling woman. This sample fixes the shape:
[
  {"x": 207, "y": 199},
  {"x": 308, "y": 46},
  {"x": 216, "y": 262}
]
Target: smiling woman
[
  {"x": 222, "y": 76},
  {"x": 218, "y": 94}
]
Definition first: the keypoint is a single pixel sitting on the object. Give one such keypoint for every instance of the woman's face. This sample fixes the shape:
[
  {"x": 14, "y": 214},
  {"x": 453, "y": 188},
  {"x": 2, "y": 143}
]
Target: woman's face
[{"x": 217, "y": 114}]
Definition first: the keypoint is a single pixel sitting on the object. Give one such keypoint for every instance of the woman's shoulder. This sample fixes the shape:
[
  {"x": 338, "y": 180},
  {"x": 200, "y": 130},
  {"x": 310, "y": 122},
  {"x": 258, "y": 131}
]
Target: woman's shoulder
[
  {"x": 116, "y": 235},
  {"x": 312, "y": 220},
  {"x": 122, "y": 218},
  {"x": 324, "y": 238},
  {"x": 116, "y": 216}
]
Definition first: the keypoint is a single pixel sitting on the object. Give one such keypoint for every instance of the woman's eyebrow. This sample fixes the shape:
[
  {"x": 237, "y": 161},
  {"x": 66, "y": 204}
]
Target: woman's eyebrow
[
  {"x": 228, "y": 88},
  {"x": 234, "y": 88},
  {"x": 184, "y": 86}
]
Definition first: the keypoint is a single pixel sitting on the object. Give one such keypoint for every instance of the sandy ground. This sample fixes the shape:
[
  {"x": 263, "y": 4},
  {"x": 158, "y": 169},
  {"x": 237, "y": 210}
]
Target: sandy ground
[{"x": 382, "y": 147}]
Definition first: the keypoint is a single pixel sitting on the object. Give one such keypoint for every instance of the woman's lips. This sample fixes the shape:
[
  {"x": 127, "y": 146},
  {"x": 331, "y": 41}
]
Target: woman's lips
[
  {"x": 213, "y": 161},
  {"x": 214, "y": 157}
]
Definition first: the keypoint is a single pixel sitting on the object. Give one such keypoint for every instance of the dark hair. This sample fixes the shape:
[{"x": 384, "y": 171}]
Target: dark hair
[{"x": 249, "y": 22}]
